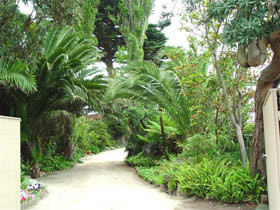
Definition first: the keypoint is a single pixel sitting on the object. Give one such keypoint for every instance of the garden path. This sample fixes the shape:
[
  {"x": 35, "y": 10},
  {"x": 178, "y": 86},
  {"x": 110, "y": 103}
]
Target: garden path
[{"x": 105, "y": 182}]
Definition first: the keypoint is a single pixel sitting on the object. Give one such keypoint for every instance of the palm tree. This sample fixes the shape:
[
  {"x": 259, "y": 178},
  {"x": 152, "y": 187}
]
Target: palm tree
[
  {"x": 62, "y": 85},
  {"x": 14, "y": 78},
  {"x": 144, "y": 81}
]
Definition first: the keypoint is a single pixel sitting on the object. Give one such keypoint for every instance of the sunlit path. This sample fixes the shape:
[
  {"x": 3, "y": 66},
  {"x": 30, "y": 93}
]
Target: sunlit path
[{"x": 104, "y": 182}]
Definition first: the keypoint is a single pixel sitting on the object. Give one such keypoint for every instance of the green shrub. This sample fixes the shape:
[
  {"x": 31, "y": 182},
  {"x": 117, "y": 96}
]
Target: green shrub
[
  {"x": 141, "y": 160},
  {"x": 152, "y": 175},
  {"x": 55, "y": 163},
  {"x": 89, "y": 134},
  {"x": 168, "y": 170},
  {"x": 215, "y": 179},
  {"x": 94, "y": 149},
  {"x": 25, "y": 167},
  {"x": 24, "y": 181},
  {"x": 198, "y": 147},
  {"x": 219, "y": 180}
]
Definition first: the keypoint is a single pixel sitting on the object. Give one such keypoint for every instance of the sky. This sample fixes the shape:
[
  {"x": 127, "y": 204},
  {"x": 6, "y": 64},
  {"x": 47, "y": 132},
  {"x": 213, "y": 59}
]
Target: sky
[{"x": 176, "y": 37}]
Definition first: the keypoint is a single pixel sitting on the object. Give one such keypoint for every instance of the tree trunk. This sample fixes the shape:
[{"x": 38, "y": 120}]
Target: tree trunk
[
  {"x": 109, "y": 64},
  {"x": 69, "y": 149},
  {"x": 234, "y": 118},
  {"x": 265, "y": 83},
  {"x": 241, "y": 144},
  {"x": 35, "y": 171},
  {"x": 69, "y": 145},
  {"x": 268, "y": 76},
  {"x": 123, "y": 142}
]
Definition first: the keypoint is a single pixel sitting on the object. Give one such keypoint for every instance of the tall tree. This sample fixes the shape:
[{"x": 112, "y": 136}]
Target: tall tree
[
  {"x": 133, "y": 19},
  {"x": 154, "y": 42},
  {"x": 108, "y": 35},
  {"x": 233, "y": 96},
  {"x": 253, "y": 25},
  {"x": 61, "y": 91}
]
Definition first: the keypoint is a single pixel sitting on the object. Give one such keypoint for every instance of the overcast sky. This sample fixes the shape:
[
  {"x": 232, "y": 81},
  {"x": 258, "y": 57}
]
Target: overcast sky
[{"x": 176, "y": 37}]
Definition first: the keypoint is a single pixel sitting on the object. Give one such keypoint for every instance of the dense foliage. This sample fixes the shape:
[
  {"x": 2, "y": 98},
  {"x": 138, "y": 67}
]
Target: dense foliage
[
  {"x": 219, "y": 177},
  {"x": 183, "y": 115}
]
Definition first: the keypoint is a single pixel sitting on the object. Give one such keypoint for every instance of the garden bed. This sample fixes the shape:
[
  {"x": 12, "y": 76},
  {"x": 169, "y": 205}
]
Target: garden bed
[{"x": 32, "y": 192}]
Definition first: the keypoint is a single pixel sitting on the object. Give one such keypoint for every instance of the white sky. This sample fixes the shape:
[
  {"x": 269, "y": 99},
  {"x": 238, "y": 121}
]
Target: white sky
[{"x": 176, "y": 37}]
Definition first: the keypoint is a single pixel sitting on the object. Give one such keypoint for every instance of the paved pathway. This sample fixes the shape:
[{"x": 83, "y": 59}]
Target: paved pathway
[{"x": 104, "y": 182}]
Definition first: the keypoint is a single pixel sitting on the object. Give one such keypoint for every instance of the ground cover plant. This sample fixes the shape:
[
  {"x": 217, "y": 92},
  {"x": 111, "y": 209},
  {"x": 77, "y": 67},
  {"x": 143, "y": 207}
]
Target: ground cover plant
[{"x": 216, "y": 179}]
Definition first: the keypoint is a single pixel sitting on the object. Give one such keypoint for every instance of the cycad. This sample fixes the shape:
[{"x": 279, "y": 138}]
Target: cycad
[
  {"x": 61, "y": 80},
  {"x": 145, "y": 82},
  {"x": 17, "y": 75}
]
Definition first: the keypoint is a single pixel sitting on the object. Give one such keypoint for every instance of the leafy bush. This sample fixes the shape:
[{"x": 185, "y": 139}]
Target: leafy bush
[
  {"x": 24, "y": 181},
  {"x": 102, "y": 138},
  {"x": 94, "y": 149},
  {"x": 89, "y": 134},
  {"x": 152, "y": 175},
  {"x": 168, "y": 170},
  {"x": 141, "y": 160},
  {"x": 198, "y": 147},
  {"x": 25, "y": 167},
  {"x": 219, "y": 180},
  {"x": 55, "y": 163}
]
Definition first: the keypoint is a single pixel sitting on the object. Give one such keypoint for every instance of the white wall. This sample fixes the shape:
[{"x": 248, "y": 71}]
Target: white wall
[{"x": 9, "y": 163}]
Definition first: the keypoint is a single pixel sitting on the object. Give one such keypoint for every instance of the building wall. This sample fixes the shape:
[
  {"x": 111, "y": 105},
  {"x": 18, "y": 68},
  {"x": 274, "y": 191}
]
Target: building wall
[
  {"x": 9, "y": 163},
  {"x": 272, "y": 149}
]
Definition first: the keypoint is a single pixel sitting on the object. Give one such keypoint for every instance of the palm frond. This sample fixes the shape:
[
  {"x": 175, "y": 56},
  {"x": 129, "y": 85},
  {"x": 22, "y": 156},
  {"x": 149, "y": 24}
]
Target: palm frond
[
  {"x": 18, "y": 75},
  {"x": 145, "y": 82},
  {"x": 54, "y": 38}
]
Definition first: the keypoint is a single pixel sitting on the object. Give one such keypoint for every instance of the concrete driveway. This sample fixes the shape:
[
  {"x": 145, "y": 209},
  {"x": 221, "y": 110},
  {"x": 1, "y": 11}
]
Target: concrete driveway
[{"x": 105, "y": 182}]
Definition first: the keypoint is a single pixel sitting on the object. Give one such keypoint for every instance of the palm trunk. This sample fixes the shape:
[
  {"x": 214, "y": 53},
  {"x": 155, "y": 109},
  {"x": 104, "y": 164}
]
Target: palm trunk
[
  {"x": 35, "y": 171},
  {"x": 69, "y": 145}
]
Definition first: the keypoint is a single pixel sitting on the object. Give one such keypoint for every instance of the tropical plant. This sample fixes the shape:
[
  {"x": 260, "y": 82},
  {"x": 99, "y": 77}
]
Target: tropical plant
[
  {"x": 16, "y": 81},
  {"x": 161, "y": 135},
  {"x": 219, "y": 180},
  {"x": 198, "y": 147},
  {"x": 37, "y": 156},
  {"x": 141, "y": 160},
  {"x": 17, "y": 75},
  {"x": 147, "y": 83},
  {"x": 61, "y": 91}
]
